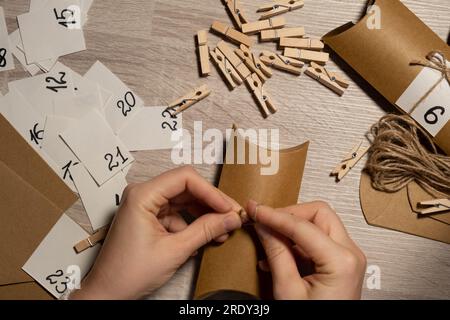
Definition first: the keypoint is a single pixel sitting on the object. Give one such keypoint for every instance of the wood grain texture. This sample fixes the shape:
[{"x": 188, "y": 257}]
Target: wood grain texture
[{"x": 150, "y": 45}]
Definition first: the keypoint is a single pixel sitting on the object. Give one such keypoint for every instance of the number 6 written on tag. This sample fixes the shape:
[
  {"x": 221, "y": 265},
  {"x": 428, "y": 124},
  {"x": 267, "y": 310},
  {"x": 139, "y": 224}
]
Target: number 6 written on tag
[
  {"x": 115, "y": 164},
  {"x": 431, "y": 117}
]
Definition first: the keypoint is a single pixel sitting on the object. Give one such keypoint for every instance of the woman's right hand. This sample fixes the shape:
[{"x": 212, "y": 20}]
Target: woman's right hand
[{"x": 309, "y": 252}]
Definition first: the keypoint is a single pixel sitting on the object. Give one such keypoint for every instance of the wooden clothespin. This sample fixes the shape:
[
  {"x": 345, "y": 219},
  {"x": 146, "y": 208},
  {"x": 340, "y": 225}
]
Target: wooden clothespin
[
  {"x": 435, "y": 206},
  {"x": 236, "y": 12},
  {"x": 271, "y": 35},
  {"x": 264, "y": 101},
  {"x": 232, "y": 34},
  {"x": 311, "y": 44},
  {"x": 350, "y": 161},
  {"x": 307, "y": 55},
  {"x": 257, "y": 26},
  {"x": 189, "y": 100},
  {"x": 253, "y": 63},
  {"x": 203, "y": 51},
  {"x": 237, "y": 63},
  {"x": 329, "y": 79},
  {"x": 281, "y": 62},
  {"x": 279, "y": 7},
  {"x": 92, "y": 241},
  {"x": 230, "y": 74}
]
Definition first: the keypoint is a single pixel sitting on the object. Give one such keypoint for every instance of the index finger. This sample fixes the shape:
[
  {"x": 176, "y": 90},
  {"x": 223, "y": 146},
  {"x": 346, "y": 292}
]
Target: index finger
[{"x": 172, "y": 183}]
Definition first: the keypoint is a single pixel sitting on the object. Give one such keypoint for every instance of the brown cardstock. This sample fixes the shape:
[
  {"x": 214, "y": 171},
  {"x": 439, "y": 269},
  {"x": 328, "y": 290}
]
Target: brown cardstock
[
  {"x": 382, "y": 56},
  {"x": 230, "y": 270},
  {"x": 32, "y": 198},
  {"x": 393, "y": 211}
]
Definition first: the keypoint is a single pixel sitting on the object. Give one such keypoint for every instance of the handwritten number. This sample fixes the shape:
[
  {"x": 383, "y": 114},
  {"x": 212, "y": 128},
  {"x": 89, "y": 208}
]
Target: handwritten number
[
  {"x": 127, "y": 104},
  {"x": 61, "y": 285},
  {"x": 2, "y": 58},
  {"x": 36, "y": 135},
  {"x": 64, "y": 19},
  {"x": 172, "y": 125},
  {"x": 431, "y": 117},
  {"x": 115, "y": 164},
  {"x": 117, "y": 200},
  {"x": 60, "y": 84}
]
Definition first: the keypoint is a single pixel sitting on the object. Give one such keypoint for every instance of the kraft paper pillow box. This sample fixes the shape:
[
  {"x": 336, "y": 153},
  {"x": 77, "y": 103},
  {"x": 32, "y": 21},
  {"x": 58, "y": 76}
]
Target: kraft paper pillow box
[
  {"x": 32, "y": 199},
  {"x": 383, "y": 56}
]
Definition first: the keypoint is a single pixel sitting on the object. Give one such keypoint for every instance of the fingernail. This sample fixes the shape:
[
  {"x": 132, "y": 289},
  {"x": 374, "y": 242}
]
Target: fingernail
[
  {"x": 252, "y": 207},
  {"x": 244, "y": 216},
  {"x": 232, "y": 222}
]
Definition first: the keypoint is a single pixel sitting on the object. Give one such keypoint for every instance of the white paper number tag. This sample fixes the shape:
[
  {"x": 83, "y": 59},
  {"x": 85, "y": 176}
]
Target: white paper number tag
[
  {"x": 40, "y": 90},
  {"x": 123, "y": 104},
  {"x": 100, "y": 203},
  {"x": 52, "y": 31},
  {"x": 55, "y": 264},
  {"x": 153, "y": 128},
  {"x": 433, "y": 112},
  {"x": 95, "y": 145}
]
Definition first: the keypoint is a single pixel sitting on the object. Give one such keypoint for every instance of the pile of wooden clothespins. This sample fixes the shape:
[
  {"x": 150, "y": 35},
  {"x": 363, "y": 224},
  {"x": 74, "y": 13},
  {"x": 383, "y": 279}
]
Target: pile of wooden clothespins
[{"x": 242, "y": 64}]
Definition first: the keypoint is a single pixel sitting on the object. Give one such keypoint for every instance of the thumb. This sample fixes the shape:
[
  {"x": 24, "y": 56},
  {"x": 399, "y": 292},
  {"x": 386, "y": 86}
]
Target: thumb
[{"x": 206, "y": 228}]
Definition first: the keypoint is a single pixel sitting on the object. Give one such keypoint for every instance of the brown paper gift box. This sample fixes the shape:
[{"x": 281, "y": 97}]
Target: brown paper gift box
[
  {"x": 32, "y": 198},
  {"x": 229, "y": 270},
  {"x": 382, "y": 56}
]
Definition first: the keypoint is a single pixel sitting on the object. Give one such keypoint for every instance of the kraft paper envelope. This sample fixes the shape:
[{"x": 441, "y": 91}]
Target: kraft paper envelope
[
  {"x": 383, "y": 56},
  {"x": 32, "y": 198},
  {"x": 394, "y": 211},
  {"x": 230, "y": 270}
]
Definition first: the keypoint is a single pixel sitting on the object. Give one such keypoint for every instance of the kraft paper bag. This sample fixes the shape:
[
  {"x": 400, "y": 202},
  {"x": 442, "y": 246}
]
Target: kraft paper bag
[
  {"x": 383, "y": 56},
  {"x": 229, "y": 270},
  {"x": 32, "y": 199},
  {"x": 394, "y": 211}
]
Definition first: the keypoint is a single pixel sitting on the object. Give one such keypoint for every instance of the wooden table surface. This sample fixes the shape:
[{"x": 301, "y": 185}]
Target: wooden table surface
[{"x": 150, "y": 45}]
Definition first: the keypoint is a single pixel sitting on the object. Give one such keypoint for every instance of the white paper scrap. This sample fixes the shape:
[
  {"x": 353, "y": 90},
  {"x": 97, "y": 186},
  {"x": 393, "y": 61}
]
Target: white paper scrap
[
  {"x": 123, "y": 104},
  {"x": 94, "y": 143},
  {"x": 152, "y": 128},
  {"x": 54, "y": 264},
  {"x": 52, "y": 31},
  {"x": 40, "y": 90},
  {"x": 100, "y": 203}
]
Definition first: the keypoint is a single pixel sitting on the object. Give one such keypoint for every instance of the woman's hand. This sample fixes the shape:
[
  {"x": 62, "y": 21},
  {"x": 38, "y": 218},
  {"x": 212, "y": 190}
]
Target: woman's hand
[
  {"x": 148, "y": 240},
  {"x": 309, "y": 252}
]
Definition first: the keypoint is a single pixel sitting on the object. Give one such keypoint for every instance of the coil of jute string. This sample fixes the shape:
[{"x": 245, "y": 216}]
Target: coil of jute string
[{"x": 403, "y": 152}]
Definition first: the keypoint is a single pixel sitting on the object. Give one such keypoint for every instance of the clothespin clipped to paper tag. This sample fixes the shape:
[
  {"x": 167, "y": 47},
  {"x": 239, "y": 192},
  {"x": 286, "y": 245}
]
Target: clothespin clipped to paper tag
[
  {"x": 236, "y": 12},
  {"x": 92, "y": 241},
  {"x": 189, "y": 100},
  {"x": 254, "y": 63},
  {"x": 203, "y": 51},
  {"x": 225, "y": 67},
  {"x": 264, "y": 101},
  {"x": 310, "y": 44},
  {"x": 307, "y": 55},
  {"x": 350, "y": 161},
  {"x": 279, "y": 7},
  {"x": 257, "y": 26},
  {"x": 281, "y": 62},
  {"x": 274, "y": 34},
  {"x": 329, "y": 79},
  {"x": 435, "y": 206},
  {"x": 232, "y": 34}
]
